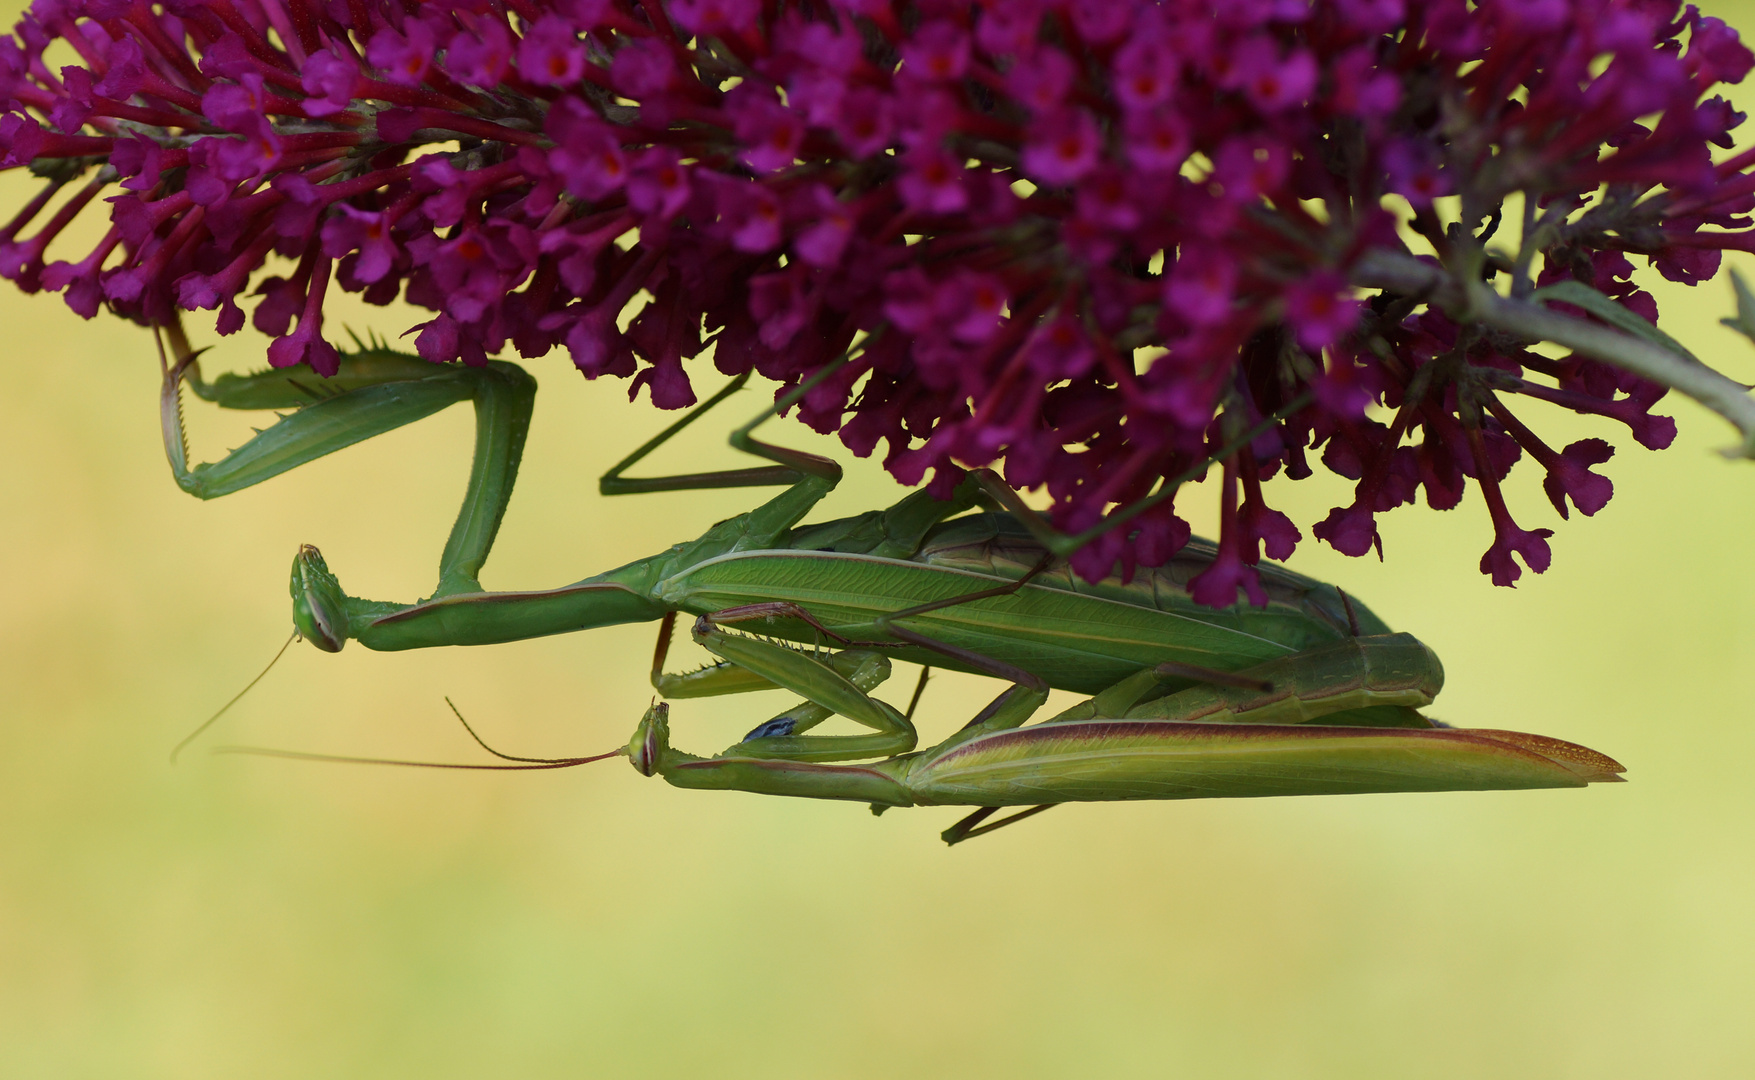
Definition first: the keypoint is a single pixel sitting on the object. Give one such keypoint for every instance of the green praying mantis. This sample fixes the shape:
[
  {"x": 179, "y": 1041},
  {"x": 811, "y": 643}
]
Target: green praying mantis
[{"x": 1312, "y": 694}]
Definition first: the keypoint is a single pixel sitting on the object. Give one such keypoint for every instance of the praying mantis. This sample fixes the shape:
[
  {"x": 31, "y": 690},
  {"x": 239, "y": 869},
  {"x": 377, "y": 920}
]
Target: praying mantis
[{"x": 1311, "y": 694}]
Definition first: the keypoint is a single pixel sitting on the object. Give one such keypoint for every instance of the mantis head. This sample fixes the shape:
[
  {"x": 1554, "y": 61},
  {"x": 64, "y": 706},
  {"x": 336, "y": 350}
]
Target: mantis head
[
  {"x": 651, "y": 739},
  {"x": 319, "y": 605}
]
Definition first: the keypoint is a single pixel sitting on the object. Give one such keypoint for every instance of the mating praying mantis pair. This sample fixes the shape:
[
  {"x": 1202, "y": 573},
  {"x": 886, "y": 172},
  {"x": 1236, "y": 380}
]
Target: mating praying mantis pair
[{"x": 1311, "y": 694}]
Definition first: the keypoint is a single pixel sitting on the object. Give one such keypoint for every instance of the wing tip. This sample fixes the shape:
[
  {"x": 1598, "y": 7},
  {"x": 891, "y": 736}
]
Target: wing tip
[{"x": 1589, "y": 765}]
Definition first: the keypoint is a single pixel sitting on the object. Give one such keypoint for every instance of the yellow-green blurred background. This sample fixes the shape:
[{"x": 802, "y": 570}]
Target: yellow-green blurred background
[{"x": 245, "y": 917}]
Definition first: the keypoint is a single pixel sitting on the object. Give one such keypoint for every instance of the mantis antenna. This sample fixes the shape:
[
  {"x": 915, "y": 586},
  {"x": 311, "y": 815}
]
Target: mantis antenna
[
  {"x": 557, "y": 762},
  {"x": 536, "y": 763},
  {"x": 299, "y": 755},
  {"x": 205, "y": 724}
]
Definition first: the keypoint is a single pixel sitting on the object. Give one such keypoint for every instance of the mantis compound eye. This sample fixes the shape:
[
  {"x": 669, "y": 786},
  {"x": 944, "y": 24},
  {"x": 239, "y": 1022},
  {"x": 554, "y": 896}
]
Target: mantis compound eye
[{"x": 319, "y": 605}]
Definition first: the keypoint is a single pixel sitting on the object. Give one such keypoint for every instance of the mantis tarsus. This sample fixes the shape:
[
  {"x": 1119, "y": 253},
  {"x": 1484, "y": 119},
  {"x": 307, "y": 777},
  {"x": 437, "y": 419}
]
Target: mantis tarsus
[{"x": 1312, "y": 694}]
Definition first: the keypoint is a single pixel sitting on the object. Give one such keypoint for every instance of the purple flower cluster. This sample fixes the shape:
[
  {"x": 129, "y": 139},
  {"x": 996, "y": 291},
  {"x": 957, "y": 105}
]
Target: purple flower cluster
[{"x": 1103, "y": 238}]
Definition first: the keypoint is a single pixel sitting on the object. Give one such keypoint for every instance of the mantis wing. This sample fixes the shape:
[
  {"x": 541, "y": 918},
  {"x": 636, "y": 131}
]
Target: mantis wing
[{"x": 1107, "y": 760}]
